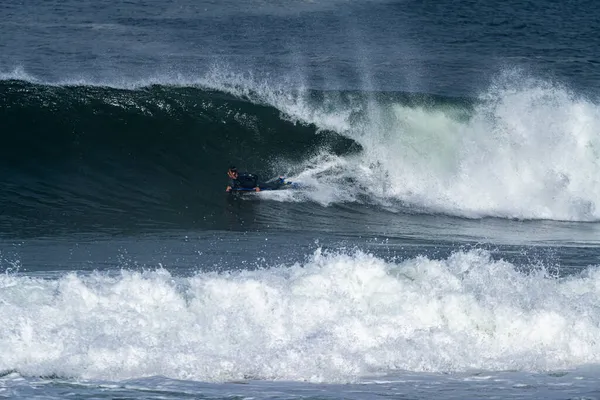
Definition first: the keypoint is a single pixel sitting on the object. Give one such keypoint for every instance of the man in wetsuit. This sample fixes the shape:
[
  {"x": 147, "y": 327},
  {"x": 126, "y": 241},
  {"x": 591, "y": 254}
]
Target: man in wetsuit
[
  {"x": 236, "y": 183},
  {"x": 232, "y": 174}
]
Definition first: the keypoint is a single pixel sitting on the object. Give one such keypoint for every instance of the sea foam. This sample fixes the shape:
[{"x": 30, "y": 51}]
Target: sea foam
[{"x": 334, "y": 318}]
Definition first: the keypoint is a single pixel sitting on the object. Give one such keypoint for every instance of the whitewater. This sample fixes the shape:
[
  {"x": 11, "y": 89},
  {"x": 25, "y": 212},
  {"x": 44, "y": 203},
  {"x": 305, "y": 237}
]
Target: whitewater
[{"x": 334, "y": 318}]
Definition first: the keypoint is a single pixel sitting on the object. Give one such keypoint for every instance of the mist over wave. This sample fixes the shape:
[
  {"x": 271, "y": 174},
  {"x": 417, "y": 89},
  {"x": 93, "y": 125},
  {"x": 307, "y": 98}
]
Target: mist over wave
[
  {"x": 335, "y": 318},
  {"x": 525, "y": 148}
]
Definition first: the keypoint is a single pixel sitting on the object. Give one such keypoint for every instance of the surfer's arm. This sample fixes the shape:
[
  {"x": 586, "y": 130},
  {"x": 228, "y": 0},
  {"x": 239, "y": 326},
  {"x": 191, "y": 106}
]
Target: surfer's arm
[{"x": 230, "y": 185}]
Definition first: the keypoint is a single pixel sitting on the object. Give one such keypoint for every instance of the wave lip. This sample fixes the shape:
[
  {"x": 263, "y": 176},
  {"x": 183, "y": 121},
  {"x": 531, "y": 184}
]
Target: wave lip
[{"x": 335, "y": 318}]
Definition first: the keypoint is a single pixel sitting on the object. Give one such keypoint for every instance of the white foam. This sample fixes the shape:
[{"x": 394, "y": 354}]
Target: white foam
[
  {"x": 333, "y": 319},
  {"x": 529, "y": 150}
]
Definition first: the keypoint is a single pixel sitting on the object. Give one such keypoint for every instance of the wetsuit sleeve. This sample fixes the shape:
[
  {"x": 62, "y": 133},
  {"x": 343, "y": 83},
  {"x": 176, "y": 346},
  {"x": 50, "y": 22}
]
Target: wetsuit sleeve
[{"x": 234, "y": 183}]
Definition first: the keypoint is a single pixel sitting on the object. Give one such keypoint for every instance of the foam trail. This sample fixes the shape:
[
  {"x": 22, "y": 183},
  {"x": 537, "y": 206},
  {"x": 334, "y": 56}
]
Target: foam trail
[{"x": 336, "y": 318}]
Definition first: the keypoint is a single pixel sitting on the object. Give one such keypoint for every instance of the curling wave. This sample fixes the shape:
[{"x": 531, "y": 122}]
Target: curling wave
[{"x": 523, "y": 149}]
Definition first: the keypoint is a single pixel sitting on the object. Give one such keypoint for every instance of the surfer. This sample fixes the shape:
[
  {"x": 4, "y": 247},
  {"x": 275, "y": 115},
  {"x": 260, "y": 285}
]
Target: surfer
[
  {"x": 247, "y": 182},
  {"x": 244, "y": 181}
]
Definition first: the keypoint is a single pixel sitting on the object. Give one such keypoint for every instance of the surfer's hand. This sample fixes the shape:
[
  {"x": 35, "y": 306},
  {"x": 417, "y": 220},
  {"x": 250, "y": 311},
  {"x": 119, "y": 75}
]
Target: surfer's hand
[{"x": 228, "y": 189}]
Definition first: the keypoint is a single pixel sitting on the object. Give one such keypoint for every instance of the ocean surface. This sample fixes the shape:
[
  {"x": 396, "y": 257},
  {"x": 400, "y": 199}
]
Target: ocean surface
[{"x": 444, "y": 242}]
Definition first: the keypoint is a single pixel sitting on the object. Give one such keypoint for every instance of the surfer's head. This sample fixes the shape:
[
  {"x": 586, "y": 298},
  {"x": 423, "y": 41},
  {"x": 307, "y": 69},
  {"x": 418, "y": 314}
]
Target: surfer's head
[{"x": 232, "y": 172}]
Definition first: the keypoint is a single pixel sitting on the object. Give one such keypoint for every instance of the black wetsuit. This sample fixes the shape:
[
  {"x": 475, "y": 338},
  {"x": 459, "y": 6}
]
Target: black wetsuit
[
  {"x": 244, "y": 181},
  {"x": 233, "y": 183},
  {"x": 247, "y": 182}
]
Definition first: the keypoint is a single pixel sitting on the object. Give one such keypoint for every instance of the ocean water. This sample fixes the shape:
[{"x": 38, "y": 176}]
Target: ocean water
[{"x": 444, "y": 242}]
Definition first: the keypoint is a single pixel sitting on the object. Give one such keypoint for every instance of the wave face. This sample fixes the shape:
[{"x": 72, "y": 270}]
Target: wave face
[
  {"x": 525, "y": 148},
  {"x": 86, "y": 153},
  {"x": 334, "y": 318}
]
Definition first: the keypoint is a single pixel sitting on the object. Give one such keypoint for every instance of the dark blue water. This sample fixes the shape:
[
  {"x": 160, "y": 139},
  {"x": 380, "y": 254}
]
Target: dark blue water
[
  {"x": 448, "y": 47},
  {"x": 443, "y": 243}
]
